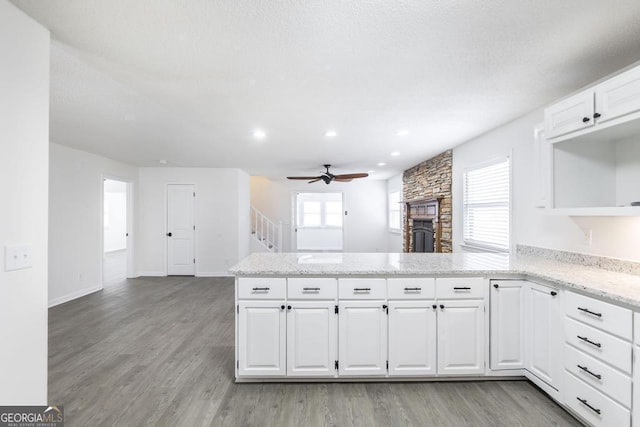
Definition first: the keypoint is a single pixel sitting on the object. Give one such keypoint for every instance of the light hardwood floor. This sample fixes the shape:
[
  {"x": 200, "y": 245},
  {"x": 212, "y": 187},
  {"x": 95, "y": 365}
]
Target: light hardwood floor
[{"x": 160, "y": 351}]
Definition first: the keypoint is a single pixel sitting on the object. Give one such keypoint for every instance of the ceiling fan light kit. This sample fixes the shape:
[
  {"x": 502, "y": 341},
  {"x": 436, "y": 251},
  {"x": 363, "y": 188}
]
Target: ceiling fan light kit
[{"x": 327, "y": 176}]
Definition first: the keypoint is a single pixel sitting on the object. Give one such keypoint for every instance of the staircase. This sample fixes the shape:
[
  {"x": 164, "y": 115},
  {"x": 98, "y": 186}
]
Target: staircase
[{"x": 266, "y": 232}]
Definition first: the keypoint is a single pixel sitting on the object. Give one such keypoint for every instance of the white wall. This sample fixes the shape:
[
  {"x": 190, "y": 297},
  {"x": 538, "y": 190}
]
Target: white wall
[
  {"x": 24, "y": 138},
  {"x": 616, "y": 237},
  {"x": 365, "y": 226},
  {"x": 395, "y": 240},
  {"x": 221, "y": 215},
  {"x": 115, "y": 207},
  {"x": 75, "y": 220}
]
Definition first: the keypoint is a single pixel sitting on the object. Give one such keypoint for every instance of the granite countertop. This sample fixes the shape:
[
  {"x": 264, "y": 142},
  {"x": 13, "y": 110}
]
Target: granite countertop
[{"x": 617, "y": 287}]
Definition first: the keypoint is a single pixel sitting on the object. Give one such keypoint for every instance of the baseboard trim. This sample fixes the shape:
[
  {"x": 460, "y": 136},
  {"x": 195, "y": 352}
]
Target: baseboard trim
[
  {"x": 74, "y": 295},
  {"x": 213, "y": 274},
  {"x": 151, "y": 274}
]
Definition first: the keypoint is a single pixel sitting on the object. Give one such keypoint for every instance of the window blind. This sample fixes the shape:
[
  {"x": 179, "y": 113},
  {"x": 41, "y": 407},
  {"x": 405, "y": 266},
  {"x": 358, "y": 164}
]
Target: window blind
[{"x": 486, "y": 221}]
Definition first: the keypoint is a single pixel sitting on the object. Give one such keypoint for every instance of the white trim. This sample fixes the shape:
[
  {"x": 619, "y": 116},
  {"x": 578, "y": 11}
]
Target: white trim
[
  {"x": 151, "y": 274},
  {"x": 214, "y": 274},
  {"x": 74, "y": 295}
]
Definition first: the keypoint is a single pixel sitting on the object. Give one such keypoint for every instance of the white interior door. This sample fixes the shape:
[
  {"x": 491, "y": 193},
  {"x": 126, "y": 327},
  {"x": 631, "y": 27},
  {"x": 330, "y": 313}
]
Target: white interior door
[{"x": 180, "y": 230}]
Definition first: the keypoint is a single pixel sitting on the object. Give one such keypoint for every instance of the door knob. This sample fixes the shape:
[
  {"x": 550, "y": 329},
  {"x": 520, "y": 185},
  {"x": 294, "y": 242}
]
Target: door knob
[{"x": 169, "y": 234}]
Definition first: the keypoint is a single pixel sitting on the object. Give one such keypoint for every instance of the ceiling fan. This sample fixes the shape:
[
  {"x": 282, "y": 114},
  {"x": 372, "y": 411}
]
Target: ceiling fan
[{"x": 327, "y": 176}]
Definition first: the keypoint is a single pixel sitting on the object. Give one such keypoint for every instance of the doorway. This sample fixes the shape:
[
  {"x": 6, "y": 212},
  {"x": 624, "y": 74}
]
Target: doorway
[
  {"x": 115, "y": 231},
  {"x": 180, "y": 234},
  {"x": 319, "y": 222}
]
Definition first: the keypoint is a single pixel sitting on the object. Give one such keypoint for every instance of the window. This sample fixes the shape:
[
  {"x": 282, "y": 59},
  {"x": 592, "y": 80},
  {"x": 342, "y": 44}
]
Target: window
[
  {"x": 319, "y": 210},
  {"x": 394, "y": 211},
  {"x": 486, "y": 217}
]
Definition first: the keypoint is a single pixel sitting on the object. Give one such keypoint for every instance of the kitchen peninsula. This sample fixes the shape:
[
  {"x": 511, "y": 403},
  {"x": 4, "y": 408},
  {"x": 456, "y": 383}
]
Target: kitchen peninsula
[{"x": 388, "y": 317}]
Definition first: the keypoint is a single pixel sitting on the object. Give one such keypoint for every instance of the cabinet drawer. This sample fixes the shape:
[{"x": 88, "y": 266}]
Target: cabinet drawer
[
  {"x": 598, "y": 344},
  {"x": 411, "y": 288},
  {"x": 602, "y": 315},
  {"x": 262, "y": 288},
  {"x": 362, "y": 288},
  {"x": 461, "y": 287},
  {"x": 320, "y": 288},
  {"x": 636, "y": 328},
  {"x": 598, "y": 375},
  {"x": 593, "y": 406}
]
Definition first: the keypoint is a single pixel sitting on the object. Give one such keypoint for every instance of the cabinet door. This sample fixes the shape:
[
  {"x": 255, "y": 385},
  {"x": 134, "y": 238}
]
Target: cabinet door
[
  {"x": 635, "y": 416},
  {"x": 570, "y": 115},
  {"x": 461, "y": 344},
  {"x": 412, "y": 338},
  {"x": 362, "y": 338},
  {"x": 544, "y": 346},
  {"x": 543, "y": 168},
  {"x": 618, "y": 96},
  {"x": 262, "y": 338},
  {"x": 311, "y": 338},
  {"x": 507, "y": 324}
]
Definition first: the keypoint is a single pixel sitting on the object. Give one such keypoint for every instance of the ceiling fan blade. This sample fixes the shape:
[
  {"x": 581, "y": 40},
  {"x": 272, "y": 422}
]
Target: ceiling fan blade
[
  {"x": 352, "y": 175},
  {"x": 303, "y": 177},
  {"x": 343, "y": 179},
  {"x": 314, "y": 180}
]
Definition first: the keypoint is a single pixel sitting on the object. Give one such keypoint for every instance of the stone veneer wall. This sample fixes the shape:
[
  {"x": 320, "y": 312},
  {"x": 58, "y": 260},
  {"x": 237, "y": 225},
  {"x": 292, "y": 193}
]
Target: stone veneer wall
[{"x": 431, "y": 178}]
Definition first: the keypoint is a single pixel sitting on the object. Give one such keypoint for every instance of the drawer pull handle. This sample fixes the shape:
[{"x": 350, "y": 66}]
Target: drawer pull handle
[
  {"x": 361, "y": 289},
  {"x": 586, "y": 310},
  {"x": 261, "y": 289},
  {"x": 311, "y": 289},
  {"x": 585, "y": 369},
  {"x": 585, "y": 339},
  {"x": 585, "y": 403},
  {"x": 462, "y": 288},
  {"x": 413, "y": 289}
]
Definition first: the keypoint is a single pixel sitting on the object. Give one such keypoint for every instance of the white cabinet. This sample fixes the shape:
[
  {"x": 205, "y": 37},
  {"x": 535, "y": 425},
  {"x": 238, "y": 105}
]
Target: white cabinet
[
  {"x": 507, "y": 324},
  {"x": 461, "y": 341},
  {"x": 618, "y": 96},
  {"x": 362, "y": 338},
  {"x": 412, "y": 337},
  {"x": 544, "y": 333},
  {"x": 570, "y": 115},
  {"x": 262, "y": 338},
  {"x": 311, "y": 338}
]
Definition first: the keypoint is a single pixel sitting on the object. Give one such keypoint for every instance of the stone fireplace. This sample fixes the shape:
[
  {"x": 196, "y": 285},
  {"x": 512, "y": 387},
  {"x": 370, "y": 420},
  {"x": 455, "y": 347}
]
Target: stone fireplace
[{"x": 422, "y": 226}]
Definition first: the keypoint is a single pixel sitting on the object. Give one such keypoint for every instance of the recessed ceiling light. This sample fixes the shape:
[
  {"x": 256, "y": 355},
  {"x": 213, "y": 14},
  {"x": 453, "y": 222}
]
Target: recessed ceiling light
[
  {"x": 371, "y": 171},
  {"x": 403, "y": 132},
  {"x": 395, "y": 153},
  {"x": 259, "y": 134},
  {"x": 382, "y": 164},
  {"x": 163, "y": 162},
  {"x": 331, "y": 133}
]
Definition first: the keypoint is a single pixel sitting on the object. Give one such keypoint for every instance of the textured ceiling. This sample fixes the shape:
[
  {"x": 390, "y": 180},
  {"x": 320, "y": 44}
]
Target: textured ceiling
[{"x": 189, "y": 81}]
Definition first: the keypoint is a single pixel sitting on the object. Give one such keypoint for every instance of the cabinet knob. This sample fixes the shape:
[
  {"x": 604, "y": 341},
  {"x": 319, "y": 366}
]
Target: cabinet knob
[
  {"x": 434, "y": 306},
  {"x": 441, "y": 306},
  {"x": 288, "y": 307},
  {"x": 554, "y": 293},
  {"x": 585, "y": 119},
  {"x": 596, "y": 115},
  {"x": 282, "y": 307},
  {"x": 495, "y": 285}
]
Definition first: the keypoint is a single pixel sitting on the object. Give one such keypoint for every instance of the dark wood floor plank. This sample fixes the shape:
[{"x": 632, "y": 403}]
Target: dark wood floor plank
[{"x": 160, "y": 351}]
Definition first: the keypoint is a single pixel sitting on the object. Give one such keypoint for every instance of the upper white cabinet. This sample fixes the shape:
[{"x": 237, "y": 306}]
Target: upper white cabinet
[
  {"x": 618, "y": 96},
  {"x": 570, "y": 115},
  {"x": 595, "y": 155}
]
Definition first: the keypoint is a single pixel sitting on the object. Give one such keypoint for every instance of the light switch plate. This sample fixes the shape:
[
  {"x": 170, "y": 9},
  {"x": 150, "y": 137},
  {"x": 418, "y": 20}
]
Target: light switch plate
[{"x": 17, "y": 257}]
